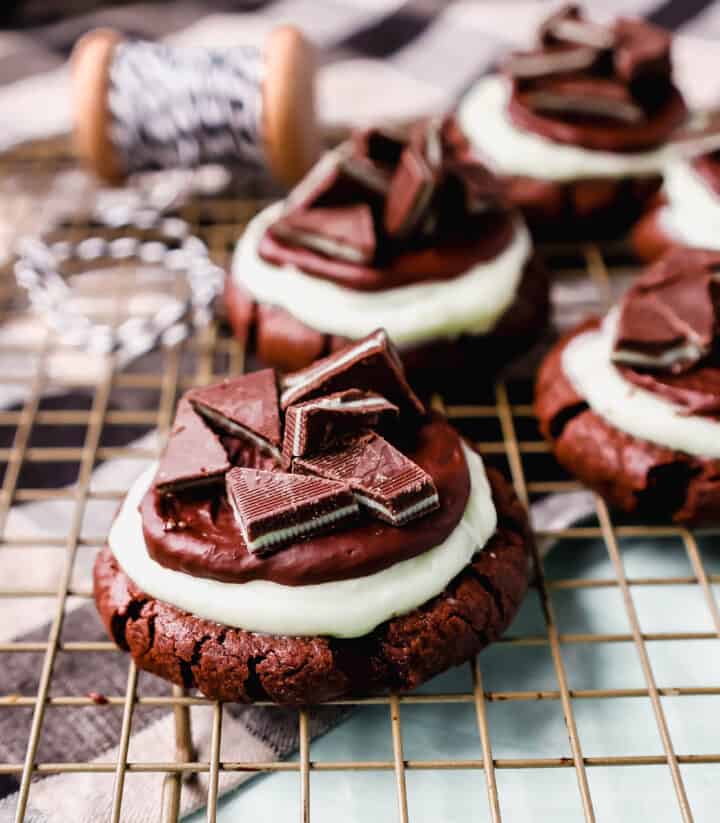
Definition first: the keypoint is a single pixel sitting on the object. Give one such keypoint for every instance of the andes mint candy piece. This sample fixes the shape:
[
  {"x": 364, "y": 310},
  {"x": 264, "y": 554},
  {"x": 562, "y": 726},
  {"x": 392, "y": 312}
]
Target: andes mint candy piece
[
  {"x": 669, "y": 318},
  {"x": 371, "y": 364},
  {"x": 410, "y": 193},
  {"x": 343, "y": 232},
  {"x": 274, "y": 509},
  {"x": 567, "y": 25},
  {"x": 592, "y": 97},
  {"x": 341, "y": 177},
  {"x": 383, "y": 479},
  {"x": 193, "y": 455},
  {"x": 700, "y": 136},
  {"x": 246, "y": 407},
  {"x": 319, "y": 424},
  {"x": 547, "y": 62}
]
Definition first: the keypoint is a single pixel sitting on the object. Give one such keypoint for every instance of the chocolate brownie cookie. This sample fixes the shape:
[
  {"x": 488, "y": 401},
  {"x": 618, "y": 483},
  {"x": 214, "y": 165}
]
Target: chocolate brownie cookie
[
  {"x": 405, "y": 230},
  {"x": 577, "y": 125},
  {"x": 312, "y": 537},
  {"x": 234, "y": 665},
  {"x": 631, "y": 454}
]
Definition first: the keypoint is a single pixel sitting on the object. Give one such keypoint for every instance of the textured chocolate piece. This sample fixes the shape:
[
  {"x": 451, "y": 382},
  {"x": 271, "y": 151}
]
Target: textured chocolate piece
[
  {"x": 372, "y": 364},
  {"x": 384, "y": 481},
  {"x": 548, "y": 62},
  {"x": 210, "y": 544},
  {"x": 697, "y": 390},
  {"x": 318, "y": 424},
  {"x": 244, "y": 407},
  {"x": 193, "y": 455},
  {"x": 410, "y": 193},
  {"x": 567, "y": 25},
  {"x": 592, "y": 97},
  {"x": 343, "y": 232},
  {"x": 632, "y": 474},
  {"x": 389, "y": 208},
  {"x": 669, "y": 318},
  {"x": 274, "y": 509},
  {"x": 230, "y": 664}
]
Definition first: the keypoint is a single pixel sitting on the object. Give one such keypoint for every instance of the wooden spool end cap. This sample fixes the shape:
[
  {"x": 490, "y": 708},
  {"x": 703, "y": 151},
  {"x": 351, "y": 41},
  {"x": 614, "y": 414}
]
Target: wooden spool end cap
[
  {"x": 292, "y": 136},
  {"x": 290, "y": 129},
  {"x": 90, "y": 65}
]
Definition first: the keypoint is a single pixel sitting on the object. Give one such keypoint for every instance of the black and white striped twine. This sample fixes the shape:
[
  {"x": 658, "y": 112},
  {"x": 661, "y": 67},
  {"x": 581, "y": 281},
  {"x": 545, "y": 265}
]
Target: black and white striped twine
[{"x": 184, "y": 107}]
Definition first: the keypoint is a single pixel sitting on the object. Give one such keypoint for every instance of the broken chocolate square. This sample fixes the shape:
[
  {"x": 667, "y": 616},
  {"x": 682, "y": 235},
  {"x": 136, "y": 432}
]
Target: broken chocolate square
[
  {"x": 642, "y": 51},
  {"x": 193, "y": 455},
  {"x": 669, "y": 318},
  {"x": 319, "y": 424},
  {"x": 371, "y": 364},
  {"x": 274, "y": 509},
  {"x": 245, "y": 407},
  {"x": 543, "y": 63},
  {"x": 568, "y": 26},
  {"x": 383, "y": 479},
  {"x": 343, "y": 232}
]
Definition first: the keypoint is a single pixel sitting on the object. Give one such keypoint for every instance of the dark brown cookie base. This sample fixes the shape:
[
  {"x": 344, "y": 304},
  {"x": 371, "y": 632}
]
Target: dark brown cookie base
[
  {"x": 238, "y": 666},
  {"x": 286, "y": 343},
  {"x": 648, "y": 238},
  {"x": 592, "y": 209},
  {"x": 631, "y": 474}
]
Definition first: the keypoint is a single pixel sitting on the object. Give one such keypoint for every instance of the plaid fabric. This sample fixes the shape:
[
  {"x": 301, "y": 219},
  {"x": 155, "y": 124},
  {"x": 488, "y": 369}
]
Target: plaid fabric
[{"x": 422, "y": 54}]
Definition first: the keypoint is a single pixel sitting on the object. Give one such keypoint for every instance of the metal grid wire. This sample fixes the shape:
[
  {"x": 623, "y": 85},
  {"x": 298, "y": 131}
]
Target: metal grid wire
[{"x": 508, "y": 411}]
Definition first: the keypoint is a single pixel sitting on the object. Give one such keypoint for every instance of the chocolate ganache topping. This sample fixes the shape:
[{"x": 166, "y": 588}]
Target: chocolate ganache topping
[
  {"x": 603, "y": 87},
  {"x": 332, "y": 472},
  {"x": 390, "y": 208},
  {"x": 668, "y": 334}
]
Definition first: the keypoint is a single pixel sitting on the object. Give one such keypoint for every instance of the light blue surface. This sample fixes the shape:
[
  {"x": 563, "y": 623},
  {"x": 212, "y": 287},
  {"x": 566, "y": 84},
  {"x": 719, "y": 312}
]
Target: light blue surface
[{"x": 616, "y": 726}]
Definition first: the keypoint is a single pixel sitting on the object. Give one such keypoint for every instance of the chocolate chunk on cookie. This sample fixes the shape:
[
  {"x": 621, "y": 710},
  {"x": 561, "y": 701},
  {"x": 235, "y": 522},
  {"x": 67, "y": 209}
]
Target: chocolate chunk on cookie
[
  {"x": 245, "y": 407},
  {"x": 319, "y": 424},
  {"x": 372, "y": 363},
  {"x": 193, "y": 455},
  {"x": 391, "y": 486}
]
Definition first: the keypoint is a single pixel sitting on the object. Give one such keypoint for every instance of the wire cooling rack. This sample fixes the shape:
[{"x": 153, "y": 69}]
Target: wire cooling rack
[{"x": 498, "y": 419}]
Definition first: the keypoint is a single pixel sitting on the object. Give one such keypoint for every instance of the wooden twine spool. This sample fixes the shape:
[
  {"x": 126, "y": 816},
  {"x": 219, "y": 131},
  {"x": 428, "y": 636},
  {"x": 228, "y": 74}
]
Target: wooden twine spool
[{"x": 142, "y": 105}]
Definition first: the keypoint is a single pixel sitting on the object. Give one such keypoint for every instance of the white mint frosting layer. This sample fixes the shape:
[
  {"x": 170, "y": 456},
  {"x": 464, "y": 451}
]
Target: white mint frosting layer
[
  {"x": 483, "y": 117},
  {"x": 471, "y": 303},
  {"x": 635, "y": 411},
  {"x": 692, "y": 215},
  {"x": 343, "y": 608}
]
